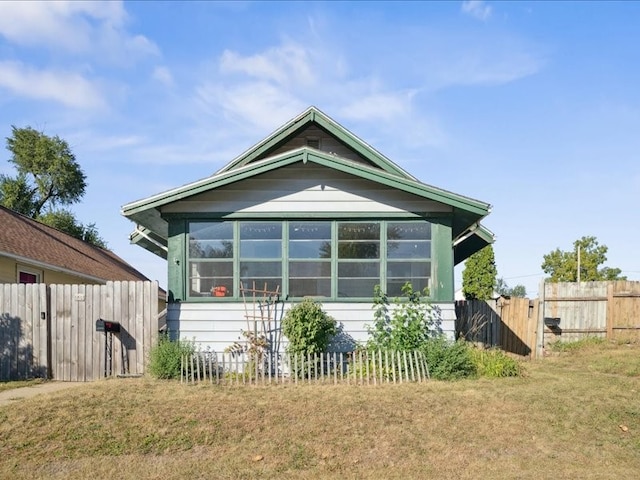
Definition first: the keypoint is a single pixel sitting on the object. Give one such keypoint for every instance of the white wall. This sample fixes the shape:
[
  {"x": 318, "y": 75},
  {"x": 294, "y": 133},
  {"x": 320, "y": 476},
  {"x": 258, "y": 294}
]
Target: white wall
[{"x": 215, "y": 327}]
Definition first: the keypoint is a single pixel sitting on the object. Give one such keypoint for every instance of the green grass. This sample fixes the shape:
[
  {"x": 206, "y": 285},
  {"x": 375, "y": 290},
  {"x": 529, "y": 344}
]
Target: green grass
[
  {"x": 562, "y": 420},
  {"x": 20, "y": 383},
  {"x": 582, "y": 344}
]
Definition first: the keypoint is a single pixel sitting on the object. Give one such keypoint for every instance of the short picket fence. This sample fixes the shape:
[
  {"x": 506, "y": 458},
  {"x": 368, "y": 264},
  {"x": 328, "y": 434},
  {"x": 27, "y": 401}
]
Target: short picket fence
[{"x": 359, "y": 368}]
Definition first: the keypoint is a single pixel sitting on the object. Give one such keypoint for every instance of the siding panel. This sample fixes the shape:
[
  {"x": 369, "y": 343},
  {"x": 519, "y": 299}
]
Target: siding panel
[{"x": 215, "y": 327}]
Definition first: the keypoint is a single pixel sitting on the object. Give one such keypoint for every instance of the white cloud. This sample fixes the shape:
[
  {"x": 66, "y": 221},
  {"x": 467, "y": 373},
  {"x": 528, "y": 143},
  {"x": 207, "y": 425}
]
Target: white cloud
[
  {"x": 253, "y": 104},
  {"x": 378, "y": 106},
  {"x": 87, "y": 28},
  {"x": 488, "y": 67},
  {"x": 70, "y": 89},
  {"x": 283, "y": 65},
  {"x": 477, "y": 9},
  {"x": 163, "y": 75}
]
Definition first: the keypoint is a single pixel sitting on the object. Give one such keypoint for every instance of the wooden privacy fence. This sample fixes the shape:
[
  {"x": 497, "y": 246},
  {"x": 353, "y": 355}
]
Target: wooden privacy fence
[
  {"x": 359, "y": 367},
  {"x": 571, "y": 311},
  {"x": 506, "y": 323},
  {"x": 566, "y": 311},
  {"x": 50, "y": 330}
]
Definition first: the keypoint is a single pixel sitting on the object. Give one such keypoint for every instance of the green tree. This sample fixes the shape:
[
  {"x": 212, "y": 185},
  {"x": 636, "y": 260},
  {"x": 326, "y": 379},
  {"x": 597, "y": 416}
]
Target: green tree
[
  {"x": 66, "y": 222},
  {"x": 503, "y": 288},
  {"x": 479, "y": 275},
  {"x": 518, "y": 291},
  {"x": 48, "y": 176},
  {"x": 563, "y": 266}
]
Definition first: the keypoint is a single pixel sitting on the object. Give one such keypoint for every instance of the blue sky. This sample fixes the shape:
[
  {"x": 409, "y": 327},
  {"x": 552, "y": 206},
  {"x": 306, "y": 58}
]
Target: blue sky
[{"x": 533, "y": 107}]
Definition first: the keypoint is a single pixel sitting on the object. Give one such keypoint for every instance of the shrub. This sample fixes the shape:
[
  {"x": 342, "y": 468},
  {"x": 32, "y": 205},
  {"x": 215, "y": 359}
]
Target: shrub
[
  {"x": 448, "y": 360},
  {"x": 308, "y": 327},
  {"x": 494, "y": 363},
  {"x": 165, "y": 357},
  {"x": 407, "y": 326}
]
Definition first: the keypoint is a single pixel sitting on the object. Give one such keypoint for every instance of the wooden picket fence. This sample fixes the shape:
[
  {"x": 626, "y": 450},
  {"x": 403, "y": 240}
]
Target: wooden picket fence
[{"x": 359, "y": 368}]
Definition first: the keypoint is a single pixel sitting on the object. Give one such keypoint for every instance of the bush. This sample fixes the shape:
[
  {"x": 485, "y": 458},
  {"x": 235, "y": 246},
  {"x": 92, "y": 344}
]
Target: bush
[
  {"x": 448, "y": 360},
  {"x": 308, "y": 327},
  {"x": 407, "y": 326},
  {"x": 165, "y": 357},
  {"x": 495, "y": 363}
]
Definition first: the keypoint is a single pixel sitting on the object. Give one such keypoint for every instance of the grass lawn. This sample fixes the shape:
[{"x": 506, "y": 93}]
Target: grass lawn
[
  {"x": 19, "y": 384},
  {"x": 574, "y": 415}
]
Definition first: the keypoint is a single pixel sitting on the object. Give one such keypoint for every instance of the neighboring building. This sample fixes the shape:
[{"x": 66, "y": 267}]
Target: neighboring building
[
  {"x": 312, "y": 210},
  {"x": 31, "y": 252}
]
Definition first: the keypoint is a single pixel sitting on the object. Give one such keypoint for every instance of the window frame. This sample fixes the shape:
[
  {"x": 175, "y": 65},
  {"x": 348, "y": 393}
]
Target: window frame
[
  {"x": 28, "y": 271},
  {"x": 285, "y": 259}
]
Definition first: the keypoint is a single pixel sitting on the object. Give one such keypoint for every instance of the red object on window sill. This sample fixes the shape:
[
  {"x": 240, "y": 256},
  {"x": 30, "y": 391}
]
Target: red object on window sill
[{"x": 219, "y": 291}]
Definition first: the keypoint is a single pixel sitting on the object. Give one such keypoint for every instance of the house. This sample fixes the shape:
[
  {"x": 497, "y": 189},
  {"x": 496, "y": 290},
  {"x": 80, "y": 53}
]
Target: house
[
  {"x": 32, "y": 252},
  {"x": 311, "y": 210}
]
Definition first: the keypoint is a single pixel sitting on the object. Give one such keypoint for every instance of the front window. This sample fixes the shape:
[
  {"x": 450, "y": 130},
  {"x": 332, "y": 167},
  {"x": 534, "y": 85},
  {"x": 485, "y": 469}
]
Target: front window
[
  {"x": 211, "y": 253},
  {"x": 310, "y": 255},
  {"x": 328, "y": 259},
  {"x": 261, "y": 255},
  {"x": 358, "y": 258}
]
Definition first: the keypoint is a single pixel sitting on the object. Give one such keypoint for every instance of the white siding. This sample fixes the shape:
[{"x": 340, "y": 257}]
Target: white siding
[
  {"x": 305, "y": 188},
  {"x": 215, "y": 327}
]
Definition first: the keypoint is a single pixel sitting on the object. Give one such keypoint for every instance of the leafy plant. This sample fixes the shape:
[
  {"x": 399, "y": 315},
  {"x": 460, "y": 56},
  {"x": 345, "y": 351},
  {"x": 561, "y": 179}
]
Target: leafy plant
[
  {"x": 165, "y": 358},
  {"x": 407, "y": 325},
  {"x": 448, "y": 360},
  {"x": 495, "y": 363},
  {"x": 309, "y": 329}
]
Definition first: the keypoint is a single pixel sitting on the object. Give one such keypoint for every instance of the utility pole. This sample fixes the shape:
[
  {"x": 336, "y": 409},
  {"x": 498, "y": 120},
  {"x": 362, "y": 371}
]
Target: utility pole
[{"x": 578, "y": 263}]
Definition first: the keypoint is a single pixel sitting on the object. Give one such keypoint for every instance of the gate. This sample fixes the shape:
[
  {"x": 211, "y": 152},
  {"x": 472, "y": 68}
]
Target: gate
[{"x": 50, "y": 331}]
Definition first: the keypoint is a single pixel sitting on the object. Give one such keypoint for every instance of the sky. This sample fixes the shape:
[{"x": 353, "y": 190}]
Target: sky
[{"x": 533, "y": 107}]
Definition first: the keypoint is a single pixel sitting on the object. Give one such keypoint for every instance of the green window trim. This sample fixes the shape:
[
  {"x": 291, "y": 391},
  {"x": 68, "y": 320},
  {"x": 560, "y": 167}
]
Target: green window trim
[{"x": 280, "y": 260}]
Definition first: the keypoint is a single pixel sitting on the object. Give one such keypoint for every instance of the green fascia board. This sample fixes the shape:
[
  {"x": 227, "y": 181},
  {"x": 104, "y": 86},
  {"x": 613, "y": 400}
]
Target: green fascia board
[
  {"x": 146, "y": 213},
  {"x": 309, "y": 116},
  {"x": 475, "y": 208}
]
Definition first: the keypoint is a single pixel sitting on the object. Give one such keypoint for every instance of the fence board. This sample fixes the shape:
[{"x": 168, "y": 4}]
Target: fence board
[{"x": 50, "y": 331}]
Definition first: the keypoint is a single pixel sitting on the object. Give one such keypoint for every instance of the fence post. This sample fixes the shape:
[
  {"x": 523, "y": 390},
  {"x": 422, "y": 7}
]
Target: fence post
[{"x": 540, "y": 329}]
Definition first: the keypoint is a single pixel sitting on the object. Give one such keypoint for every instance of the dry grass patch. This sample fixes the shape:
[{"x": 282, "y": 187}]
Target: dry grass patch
[{"x": 563, "y": 420}]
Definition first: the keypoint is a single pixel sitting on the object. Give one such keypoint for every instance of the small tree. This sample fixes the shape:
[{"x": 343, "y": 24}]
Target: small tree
[
  {"x": 479, "y": 275},
  {"x": 563, "y": 266}
]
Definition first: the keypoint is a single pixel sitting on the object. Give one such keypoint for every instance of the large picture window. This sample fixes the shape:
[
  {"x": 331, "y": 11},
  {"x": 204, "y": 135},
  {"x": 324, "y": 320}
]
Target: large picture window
[
  {"x": 328, "y": 259},
  {"x": 261, "y": 255},
  {"x": 211, "y": 253}
]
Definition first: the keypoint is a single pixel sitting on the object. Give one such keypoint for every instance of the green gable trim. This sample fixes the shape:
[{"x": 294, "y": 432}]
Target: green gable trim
[
  {"x": 309, "y": 116},
  {"x": 474, "y": 208}
]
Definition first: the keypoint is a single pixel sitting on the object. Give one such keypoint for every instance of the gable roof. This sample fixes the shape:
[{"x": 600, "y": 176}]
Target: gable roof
[
  {"x": 313, "y": 115},
  {"x": 33, "y": 243},
  {"x": 151, "y": 231}
]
